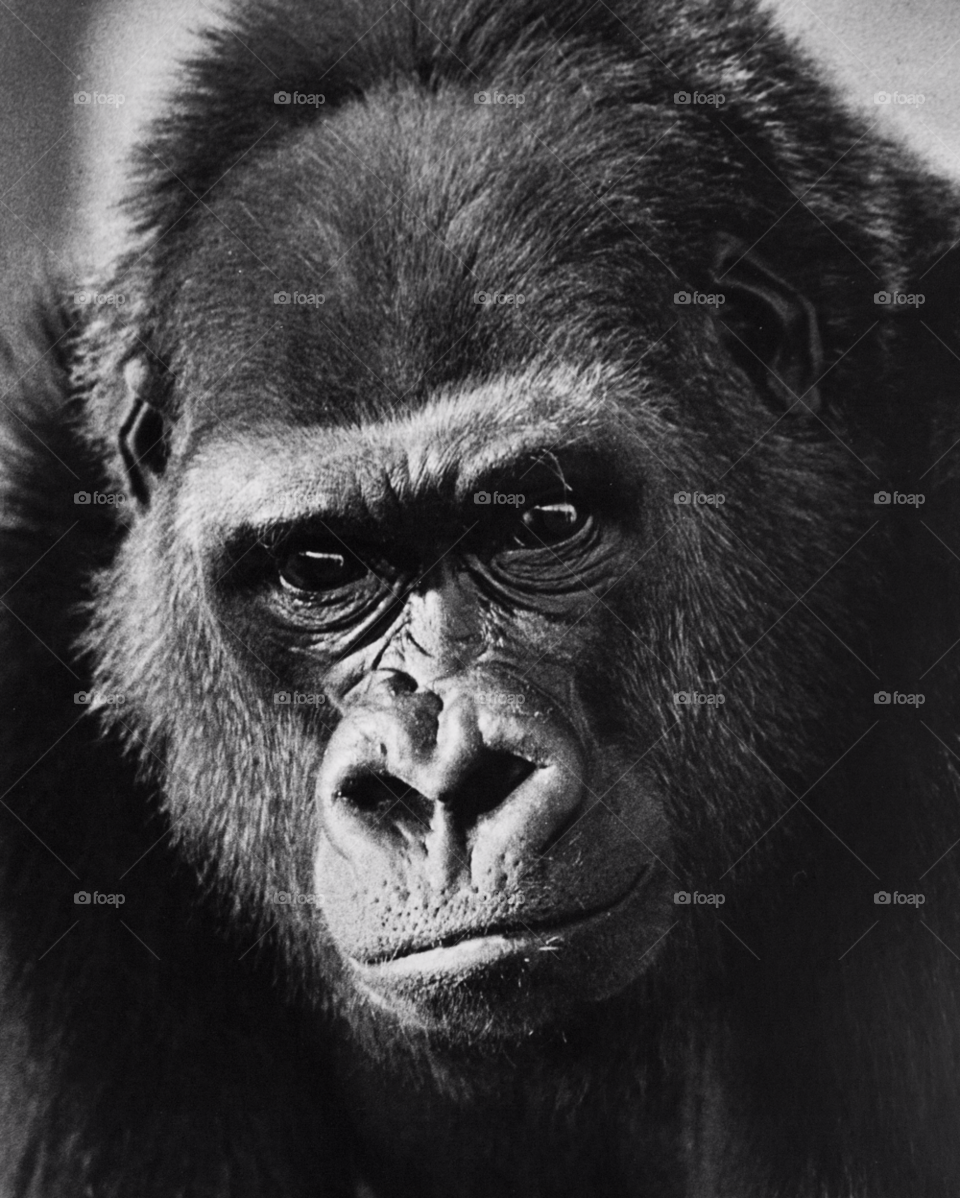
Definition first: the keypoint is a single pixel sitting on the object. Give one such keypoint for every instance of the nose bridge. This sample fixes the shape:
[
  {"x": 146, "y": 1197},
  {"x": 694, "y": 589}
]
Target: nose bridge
[
  {"x": 441, "y": 634},
  {"x": 457, "y": 744}
]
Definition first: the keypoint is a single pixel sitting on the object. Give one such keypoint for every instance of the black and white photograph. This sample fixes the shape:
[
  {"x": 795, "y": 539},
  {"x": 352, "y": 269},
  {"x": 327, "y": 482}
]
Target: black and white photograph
[{"x": 480, "y": 599}]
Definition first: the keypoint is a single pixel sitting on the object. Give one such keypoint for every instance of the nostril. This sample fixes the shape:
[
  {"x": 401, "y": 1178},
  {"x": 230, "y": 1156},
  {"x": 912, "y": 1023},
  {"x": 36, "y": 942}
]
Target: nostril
[
  {"x": 378, "y": 794},
  {"x": 488, "y": 785},
  {"x": 513, "y": 771},
  {"x": 399, "y": 683}
]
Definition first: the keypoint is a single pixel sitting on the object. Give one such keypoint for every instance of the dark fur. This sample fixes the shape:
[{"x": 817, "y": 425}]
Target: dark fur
[{"x": 142, "y": 1054}]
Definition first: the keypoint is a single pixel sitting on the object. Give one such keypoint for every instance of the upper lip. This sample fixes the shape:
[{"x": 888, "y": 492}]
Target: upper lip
[{"x": 514, "y": 926}]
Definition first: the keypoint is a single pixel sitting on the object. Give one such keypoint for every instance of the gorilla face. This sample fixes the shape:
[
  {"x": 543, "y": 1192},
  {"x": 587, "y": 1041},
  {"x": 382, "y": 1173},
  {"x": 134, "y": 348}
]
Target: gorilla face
[{"x": 483, "y": 840}]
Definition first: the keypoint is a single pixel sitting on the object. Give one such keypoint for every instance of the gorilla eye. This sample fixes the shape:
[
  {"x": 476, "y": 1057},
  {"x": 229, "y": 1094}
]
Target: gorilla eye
[
  {"x": 549, "y": 524},
  {"x": 316, "y": 570}
]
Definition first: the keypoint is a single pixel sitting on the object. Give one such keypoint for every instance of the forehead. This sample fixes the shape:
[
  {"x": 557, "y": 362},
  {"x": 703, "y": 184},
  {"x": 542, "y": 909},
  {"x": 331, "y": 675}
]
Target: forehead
[
  {"x": 410, "y": 243},
  {"x": 509, "y": 427}
]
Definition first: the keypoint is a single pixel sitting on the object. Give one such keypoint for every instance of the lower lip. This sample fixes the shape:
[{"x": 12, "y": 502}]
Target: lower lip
[{"x": 480, "y": 951}]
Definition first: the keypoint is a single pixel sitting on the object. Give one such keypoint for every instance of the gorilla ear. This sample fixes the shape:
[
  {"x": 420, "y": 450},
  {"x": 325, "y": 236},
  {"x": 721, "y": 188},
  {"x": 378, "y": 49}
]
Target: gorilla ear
[
  {"x": 769, "y": 329},
  {"x": 143, "y": 434}
]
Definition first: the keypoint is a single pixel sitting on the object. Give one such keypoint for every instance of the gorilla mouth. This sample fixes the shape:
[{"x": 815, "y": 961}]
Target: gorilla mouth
[{"x": 505, "y": 936}]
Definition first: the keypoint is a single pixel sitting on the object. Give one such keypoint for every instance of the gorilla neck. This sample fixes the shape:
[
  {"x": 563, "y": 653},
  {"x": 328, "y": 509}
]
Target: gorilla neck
[{"x": 571, "y": 1115}]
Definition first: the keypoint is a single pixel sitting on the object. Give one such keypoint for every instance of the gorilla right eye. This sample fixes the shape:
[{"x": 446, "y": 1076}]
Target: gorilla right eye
[{"x": 318, "y": 570}]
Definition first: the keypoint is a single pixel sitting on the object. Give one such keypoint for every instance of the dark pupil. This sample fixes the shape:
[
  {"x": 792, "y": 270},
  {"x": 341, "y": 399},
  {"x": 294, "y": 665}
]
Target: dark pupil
[
  {"x": 552, "y": 521},
  {"x": 308, "y": 571}
]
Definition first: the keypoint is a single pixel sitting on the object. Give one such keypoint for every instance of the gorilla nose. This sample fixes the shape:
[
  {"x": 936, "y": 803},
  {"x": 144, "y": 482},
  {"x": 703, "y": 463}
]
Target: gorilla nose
[
  {"x": 490, "y": 780},
  {"x": 465, "y": 787}
]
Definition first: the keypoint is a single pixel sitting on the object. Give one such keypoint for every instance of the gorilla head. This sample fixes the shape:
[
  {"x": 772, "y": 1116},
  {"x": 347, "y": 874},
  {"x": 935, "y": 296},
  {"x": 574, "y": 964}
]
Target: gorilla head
[{"x": 499, "y": 599}]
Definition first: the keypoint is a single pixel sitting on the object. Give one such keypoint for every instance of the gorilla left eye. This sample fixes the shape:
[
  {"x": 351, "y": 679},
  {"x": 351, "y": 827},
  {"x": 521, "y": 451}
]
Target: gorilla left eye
[
  {"x": 549, "y": 524},
  {"x": 316, "y": 570}
]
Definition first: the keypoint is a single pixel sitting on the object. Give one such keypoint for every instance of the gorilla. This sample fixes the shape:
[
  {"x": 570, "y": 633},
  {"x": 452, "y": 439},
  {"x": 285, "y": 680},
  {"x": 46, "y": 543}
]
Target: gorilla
[{"x": 480, "y": 615}]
